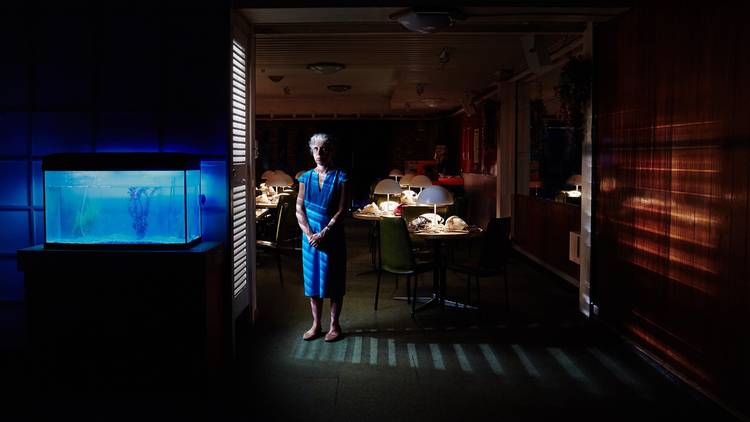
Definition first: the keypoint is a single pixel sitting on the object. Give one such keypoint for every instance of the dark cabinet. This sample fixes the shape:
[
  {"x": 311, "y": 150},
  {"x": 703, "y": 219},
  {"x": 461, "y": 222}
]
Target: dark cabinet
[{"x": 125, "y": 317}]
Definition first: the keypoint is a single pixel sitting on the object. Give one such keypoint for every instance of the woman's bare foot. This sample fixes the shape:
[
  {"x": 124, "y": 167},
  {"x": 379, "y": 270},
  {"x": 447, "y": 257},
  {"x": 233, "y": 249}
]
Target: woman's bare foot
[
  {"x": 334, "y": 333},
  {"x": 312, "y": 333}
]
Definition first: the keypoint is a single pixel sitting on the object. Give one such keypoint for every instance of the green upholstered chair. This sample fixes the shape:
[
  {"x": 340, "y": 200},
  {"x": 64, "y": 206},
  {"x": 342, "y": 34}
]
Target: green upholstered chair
[
  {"x": 397, "y": 257},
  {"x": 493, "y": 258},
  {"x": 287, "y": 235}
]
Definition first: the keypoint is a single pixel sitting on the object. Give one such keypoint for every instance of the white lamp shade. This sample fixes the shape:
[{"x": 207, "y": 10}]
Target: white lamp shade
[
  {"x": 280, "y": 179},
  {"x": 406, "y": 180},
  {"x": 299, "y": 174},
  {"x": 435, "y": 195},
  {"x": 420, "y": 181},
  {"x": 267, "y": 174},
  {"x": 395, "y": 172},
  {"x": 575, "y": 180},
  {"x": 387, "y": 186}
]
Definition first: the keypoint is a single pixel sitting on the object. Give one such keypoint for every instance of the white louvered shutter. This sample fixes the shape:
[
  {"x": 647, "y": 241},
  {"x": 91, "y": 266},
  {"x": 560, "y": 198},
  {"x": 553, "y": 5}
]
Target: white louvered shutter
[{"x": 240, "y": 202}]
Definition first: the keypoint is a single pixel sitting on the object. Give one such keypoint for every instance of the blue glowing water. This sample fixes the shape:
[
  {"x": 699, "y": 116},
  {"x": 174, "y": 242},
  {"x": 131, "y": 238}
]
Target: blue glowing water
[{"x": 122, "y": 207}]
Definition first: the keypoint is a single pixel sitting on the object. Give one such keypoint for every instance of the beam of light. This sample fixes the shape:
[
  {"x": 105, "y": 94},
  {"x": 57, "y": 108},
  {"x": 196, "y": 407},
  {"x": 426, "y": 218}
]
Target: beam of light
[
  {"x": 525, "y": 361},
  {"x": 301, "y": 348},
  {"x": 463, "y": 360},
  {"x": 672, "y": 254},
  {"x": 653, "y": 343},
  {"x": 671, "y": 170},
  {"x": 357, "y": 352},
  {"x": 657, "y": 206},
  {"x": 612, "y": 366},
  {"x": 313, "y": 351},
  {"x": 325, "y": 351},
  {"x": 391, "y": 352},
  {"x": 341, "y": 350},
  {"x": 695, "y": 284},
  {"x": 571, "y": 368},
  {"x": 412, "y": 352},
  {"x": 645, "y": 228},
  {"x": 373, "y": 351},
  {"x": 437, "y": 357},
  {"x": 492, "y": 360}
]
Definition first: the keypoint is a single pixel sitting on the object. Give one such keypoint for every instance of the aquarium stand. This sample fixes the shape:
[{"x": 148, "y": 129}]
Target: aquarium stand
[{"x": 126, "y": 317}]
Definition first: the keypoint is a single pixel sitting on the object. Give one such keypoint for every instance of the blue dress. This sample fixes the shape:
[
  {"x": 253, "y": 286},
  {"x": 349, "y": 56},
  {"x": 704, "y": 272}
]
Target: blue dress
[{"x": 324, "y": 266}]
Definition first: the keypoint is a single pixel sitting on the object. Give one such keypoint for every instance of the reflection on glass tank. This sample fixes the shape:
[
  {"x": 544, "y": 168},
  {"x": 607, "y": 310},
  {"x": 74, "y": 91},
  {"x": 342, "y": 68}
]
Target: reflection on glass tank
[{"x": 145, "y": 206}]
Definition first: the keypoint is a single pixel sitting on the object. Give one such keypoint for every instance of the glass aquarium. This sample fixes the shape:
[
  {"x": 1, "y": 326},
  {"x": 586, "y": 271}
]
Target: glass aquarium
[{"x": 122, "y": 200}]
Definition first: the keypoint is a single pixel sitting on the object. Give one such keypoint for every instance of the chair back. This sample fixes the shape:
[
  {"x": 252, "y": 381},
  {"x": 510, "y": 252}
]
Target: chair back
[
  {"x": 287, "y": 228},
  {"x": 395, "y": 246},
  {"x": 495, "y": 243}
]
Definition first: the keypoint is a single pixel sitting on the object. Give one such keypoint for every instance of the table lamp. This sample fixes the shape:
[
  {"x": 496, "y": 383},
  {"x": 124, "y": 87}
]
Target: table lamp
[
  {"x": 279, "y": 179},
  {"x": 388, "y": 187},
  {"x": 575, "y": 180},
  {"x": 435, "y": 195},
  {"x": 420, "y": 181},
  {"x": 396, "y": 173},
  {"x": 405, "y": 180},
  {"x": 267, "y": 174}
]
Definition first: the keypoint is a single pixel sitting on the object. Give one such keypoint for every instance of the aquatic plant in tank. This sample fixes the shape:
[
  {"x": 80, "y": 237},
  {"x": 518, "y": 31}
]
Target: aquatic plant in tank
[{"x": 121, "y": 200}]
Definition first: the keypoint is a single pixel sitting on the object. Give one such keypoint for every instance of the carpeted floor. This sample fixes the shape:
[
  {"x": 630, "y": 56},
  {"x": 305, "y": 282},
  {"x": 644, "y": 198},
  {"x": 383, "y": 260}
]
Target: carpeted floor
[{"x": 541, "y": 361}]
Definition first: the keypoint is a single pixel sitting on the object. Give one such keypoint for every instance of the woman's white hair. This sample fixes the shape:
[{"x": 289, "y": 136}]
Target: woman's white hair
[{"x": 321, "y": 137}]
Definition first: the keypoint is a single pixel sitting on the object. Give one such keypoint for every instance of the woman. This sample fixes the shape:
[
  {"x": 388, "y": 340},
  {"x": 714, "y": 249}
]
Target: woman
[{"x": 320, "y": 211}]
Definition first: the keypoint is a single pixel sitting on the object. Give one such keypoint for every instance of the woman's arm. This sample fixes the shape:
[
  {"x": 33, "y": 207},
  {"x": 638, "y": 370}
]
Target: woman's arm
[
  {"x": 343, "y": 200},
  {"x": 300, "y": 212}
]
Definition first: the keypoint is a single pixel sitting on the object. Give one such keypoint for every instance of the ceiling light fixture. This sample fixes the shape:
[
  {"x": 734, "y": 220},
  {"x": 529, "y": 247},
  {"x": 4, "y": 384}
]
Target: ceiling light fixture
[
  {"x": 326, "y": 68},
  {"x": 432, "y": 102},
  {"x": 339, "y": 88},
  {"x": 427, "y": 21},
  {"x": 275, "y": 78}
]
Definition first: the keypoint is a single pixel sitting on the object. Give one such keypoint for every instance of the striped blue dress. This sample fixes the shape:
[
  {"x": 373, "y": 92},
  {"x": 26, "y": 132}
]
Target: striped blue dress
[{"x": 324, "y": 266}]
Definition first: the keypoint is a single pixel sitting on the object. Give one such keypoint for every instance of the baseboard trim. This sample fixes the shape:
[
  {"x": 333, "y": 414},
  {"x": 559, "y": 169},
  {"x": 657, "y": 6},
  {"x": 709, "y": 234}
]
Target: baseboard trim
[
  {"x": 547, "y": 267},
  {"x": 673, "y": 374}
]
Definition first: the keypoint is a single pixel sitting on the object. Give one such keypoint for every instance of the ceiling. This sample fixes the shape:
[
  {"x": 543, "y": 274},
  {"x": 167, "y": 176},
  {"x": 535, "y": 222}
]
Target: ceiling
[{"x": 385, "y": 63}]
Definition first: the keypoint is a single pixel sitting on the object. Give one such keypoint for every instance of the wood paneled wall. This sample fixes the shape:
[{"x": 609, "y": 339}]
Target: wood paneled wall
[
  {"x": 672, "y": 150},
  {"x": 542, "y": 228}
]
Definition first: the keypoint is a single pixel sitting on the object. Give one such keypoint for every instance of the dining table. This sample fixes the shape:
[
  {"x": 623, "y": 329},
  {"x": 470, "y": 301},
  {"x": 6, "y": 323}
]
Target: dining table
[{"x": 439, "y": 240}]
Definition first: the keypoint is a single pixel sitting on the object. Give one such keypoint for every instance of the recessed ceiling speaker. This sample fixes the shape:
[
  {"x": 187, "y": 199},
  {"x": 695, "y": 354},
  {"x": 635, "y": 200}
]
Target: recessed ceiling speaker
[{"x": 535, "y": 51}]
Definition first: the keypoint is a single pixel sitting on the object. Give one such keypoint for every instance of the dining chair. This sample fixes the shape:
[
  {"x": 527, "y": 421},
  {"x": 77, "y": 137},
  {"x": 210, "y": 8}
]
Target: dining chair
[
  {"x": 397, "y": 257},
  {"x": 493, "y": 258},
  {"x": 287, "y": 236}
]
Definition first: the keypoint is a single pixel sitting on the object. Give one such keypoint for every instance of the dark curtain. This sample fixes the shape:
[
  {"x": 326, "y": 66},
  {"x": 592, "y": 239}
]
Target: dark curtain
[{"x": 670, "y": 242}]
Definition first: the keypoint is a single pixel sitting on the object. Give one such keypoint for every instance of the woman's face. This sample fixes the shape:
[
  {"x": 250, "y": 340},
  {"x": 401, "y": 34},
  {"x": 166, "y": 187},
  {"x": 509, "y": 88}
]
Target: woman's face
[{"x": 321, "y": 152}]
